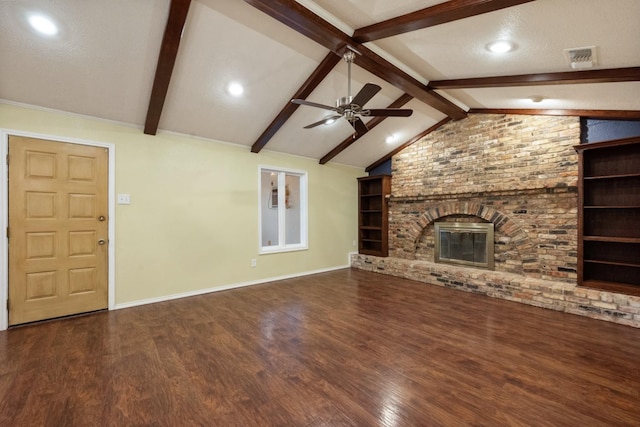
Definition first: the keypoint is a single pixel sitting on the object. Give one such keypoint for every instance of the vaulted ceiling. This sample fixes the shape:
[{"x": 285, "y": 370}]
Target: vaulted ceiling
[{"x": 165, "y": 65}]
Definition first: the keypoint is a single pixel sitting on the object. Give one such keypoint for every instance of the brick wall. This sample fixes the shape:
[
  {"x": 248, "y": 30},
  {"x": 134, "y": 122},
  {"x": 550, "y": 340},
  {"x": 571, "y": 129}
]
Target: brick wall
[
  {"x": 519, "y": 172},
  {"x": 487, "y": 153}
]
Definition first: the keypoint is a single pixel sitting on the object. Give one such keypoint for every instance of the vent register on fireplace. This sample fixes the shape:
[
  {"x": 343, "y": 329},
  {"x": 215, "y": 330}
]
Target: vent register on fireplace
[{"x": 468, "y": 244}]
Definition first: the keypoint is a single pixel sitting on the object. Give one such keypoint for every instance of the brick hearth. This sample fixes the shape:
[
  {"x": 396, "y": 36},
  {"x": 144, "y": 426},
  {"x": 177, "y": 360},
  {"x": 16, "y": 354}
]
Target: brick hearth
[{"x": 549, "y": 294}]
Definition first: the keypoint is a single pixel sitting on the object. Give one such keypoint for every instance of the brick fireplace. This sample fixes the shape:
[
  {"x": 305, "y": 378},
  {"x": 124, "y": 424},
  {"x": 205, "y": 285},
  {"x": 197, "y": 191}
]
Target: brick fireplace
[
  {"x": 529, "y": 240},
  {"x": 517, "y": 172}
]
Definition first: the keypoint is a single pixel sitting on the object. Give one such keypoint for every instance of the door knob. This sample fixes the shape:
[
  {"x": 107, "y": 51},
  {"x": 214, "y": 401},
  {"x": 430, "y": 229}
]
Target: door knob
[
  {"x": 102, "y": 242},
  {"x": 101, "y": 218}
]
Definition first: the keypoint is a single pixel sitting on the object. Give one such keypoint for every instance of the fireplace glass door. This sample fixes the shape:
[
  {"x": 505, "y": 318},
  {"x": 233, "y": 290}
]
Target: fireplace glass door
[{"x": 468, "y": 244}]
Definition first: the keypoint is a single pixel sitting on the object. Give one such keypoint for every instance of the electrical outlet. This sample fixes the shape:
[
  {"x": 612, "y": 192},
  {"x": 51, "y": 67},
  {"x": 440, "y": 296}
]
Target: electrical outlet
[{"x": 253, "y": 263}]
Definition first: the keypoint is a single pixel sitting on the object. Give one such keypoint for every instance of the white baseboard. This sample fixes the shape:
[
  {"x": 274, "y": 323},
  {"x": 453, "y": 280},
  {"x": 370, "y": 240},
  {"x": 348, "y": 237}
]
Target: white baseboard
[{"x": 223, "y": 288}]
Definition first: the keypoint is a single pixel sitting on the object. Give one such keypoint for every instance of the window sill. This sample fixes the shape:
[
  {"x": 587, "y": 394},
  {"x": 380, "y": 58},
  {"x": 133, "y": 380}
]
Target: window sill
[{"x": 278, "y": 249}]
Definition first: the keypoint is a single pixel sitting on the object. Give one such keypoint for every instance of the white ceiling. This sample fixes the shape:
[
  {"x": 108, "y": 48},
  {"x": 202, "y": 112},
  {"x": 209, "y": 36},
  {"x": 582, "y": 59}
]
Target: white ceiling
[{"x": 102, "y": 63}]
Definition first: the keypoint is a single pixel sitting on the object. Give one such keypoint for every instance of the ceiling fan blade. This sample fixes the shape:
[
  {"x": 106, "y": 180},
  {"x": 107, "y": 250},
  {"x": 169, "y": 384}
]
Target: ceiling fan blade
[
  {"x": 367, "y": 92},
  {"x": 313, "y": 104},
  {"x": 388, "y": 112},
  {"x": 359, "y": 126},
  {"x": 324, "y": 121}
]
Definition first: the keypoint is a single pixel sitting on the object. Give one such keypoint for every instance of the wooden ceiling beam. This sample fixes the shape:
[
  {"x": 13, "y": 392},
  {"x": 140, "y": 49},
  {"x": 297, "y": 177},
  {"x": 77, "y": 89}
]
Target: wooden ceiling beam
[
  {"x": 431, "y": 16},
  {"x": 610, "y": 75},
  {"x": 325, "y": 67},
  {"x": 398, "y": 103},
  {"x": 406, "y": 144},
  {"x": 305, "y": 22},
  {"x": 592, "y": 114},
  {"x": 382, "y": 68},
  {"x": 297, "y": 17},
  {"x": 166, "y": 60}
]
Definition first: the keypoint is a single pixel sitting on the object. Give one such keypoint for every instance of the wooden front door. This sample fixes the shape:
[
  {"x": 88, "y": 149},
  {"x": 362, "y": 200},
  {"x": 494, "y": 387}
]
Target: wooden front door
[{"x": 58, "y": 229}]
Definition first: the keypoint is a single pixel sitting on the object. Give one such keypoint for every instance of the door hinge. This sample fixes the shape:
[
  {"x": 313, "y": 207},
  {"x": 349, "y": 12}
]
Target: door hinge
[
  {"x": 7, "y": 159},
  {"x": 7, "y": 305},
  {"x": 7, "y": 232}
]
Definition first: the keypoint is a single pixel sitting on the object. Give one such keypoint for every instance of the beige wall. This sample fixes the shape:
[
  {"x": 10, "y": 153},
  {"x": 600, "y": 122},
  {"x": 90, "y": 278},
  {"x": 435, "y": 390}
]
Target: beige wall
[{"x": 193, "y": 219}]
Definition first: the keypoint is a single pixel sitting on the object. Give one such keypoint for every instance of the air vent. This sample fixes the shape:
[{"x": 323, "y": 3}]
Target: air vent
[{"x": 580, "y": 58}]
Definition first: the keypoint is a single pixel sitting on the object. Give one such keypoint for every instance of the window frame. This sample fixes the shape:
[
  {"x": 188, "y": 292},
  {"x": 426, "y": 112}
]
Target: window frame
[{"x": 282, "y": 209}]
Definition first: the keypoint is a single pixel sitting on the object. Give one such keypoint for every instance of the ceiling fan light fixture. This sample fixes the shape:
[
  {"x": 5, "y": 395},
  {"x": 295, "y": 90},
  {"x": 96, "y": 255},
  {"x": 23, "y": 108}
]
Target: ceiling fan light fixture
[
  {"x": 501, "y": 46},
  {"x": 351, "y": 107}
]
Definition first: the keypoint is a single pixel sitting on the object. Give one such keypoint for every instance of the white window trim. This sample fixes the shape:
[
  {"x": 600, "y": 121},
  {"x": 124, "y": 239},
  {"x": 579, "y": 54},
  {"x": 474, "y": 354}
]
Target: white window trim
[{"x": 303, "y": 245}]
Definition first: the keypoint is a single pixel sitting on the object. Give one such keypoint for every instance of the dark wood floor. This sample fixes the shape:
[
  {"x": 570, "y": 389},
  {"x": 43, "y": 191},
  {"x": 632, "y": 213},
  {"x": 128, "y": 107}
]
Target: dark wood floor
[{"x": 343, "y": 348}]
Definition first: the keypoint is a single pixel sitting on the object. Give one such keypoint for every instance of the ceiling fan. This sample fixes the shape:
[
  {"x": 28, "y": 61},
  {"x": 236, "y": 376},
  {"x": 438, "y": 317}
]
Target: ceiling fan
[{"x": 352, "y": 107}]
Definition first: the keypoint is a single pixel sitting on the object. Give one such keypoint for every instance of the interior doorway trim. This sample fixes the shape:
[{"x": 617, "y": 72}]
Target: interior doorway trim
[{"x": 4, "y": 210}]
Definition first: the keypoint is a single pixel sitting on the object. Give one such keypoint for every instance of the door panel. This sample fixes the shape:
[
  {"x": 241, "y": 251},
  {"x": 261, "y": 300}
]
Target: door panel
[{"x": 58, "y": 207}]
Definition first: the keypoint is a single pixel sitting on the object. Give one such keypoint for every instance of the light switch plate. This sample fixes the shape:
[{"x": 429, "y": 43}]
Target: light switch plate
[{"x": 124, "y": 199}]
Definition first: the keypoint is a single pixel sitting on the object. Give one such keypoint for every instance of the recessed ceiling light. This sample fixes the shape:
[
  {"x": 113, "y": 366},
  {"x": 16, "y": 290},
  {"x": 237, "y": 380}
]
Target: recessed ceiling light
[
  {"x": 390, "y": 139},
  {"x": 501, "y": 46},
  {"x": 235, "y": 89},
  {"x": 536, "y": 98},
  {"x": 43, "y": 25}
]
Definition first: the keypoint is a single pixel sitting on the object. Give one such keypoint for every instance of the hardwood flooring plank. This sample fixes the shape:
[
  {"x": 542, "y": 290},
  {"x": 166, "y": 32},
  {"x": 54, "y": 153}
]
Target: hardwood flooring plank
[
  {"x": 280, "y": 347},
  {"x": 346, "y": 348}
]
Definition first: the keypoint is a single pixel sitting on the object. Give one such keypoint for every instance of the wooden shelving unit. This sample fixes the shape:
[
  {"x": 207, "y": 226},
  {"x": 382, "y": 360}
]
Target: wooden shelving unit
[
  {"x": 373, "y": 223},
  {"x": 609, "y": 215}
]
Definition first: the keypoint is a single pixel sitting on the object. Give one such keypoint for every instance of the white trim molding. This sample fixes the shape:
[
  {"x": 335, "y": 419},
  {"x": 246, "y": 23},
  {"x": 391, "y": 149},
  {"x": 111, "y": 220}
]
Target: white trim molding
[{"x": 224, "y": 288}]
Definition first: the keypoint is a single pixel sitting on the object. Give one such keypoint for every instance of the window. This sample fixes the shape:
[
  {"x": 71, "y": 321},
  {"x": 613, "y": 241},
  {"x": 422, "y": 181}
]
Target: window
[{"x": 282, "y": 210}]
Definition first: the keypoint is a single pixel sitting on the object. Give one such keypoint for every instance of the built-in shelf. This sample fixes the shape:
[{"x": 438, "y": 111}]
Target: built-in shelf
[
  {"x": 611, "y": 239},
  {"x": 373, "y": 192},
  {"x": 612, "y": 207},
  {"x": 609, "y": 215},
  {"x": 593, "y": 261},
  {"x": 612, "y": 287},
  {"x": 628, "y": 175}
]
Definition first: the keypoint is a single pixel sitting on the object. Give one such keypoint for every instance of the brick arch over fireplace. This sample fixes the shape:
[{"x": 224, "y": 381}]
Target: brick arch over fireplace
[{"x": 502, "y": 223}]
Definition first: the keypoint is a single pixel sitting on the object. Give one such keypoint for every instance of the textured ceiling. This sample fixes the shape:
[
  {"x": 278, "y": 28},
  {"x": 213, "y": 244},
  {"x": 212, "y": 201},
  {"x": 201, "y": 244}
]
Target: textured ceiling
[{"x": 102, "y": 63}]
